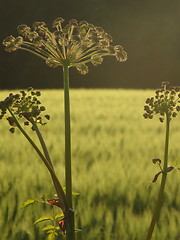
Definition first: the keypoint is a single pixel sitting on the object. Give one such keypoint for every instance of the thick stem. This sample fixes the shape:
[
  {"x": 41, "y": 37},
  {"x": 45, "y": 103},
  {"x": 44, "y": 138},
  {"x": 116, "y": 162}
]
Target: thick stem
[
  {"x": 159, "y": 202},
  {"x": 67, "y": 137},
  {"x": 68, "y": 174}
]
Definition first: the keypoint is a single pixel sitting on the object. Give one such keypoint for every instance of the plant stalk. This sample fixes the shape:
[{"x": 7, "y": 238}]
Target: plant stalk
[
  {"x": 55, "y": 180},
  {"x": 41, "y": 140},
  {"x": 47, "y": 156},
  {"x": 159, "y": 202},
  {"x": 70, "y": 233}
]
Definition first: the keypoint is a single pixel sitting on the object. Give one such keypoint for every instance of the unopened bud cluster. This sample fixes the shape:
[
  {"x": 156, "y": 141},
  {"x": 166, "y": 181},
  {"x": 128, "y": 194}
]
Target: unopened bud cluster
[
  {"x": 156, "y": 160},
  {"x": 165, "y": 103},
  {"x": 24, "y": 105},
  {"x": 73, "y": 45}
]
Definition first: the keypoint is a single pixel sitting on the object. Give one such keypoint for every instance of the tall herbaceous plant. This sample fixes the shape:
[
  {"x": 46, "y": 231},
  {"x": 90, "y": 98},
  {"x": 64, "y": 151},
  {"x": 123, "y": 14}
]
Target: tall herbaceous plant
[
  {"x": 165, "y": 104},
  {"x": 72, "y": 45}
]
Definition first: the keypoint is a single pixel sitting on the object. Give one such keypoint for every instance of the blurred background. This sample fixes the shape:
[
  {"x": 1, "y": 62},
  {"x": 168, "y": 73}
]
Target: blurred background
[
  {"x": 147, "y": 29},
  {"x": 112, "y": 144}
]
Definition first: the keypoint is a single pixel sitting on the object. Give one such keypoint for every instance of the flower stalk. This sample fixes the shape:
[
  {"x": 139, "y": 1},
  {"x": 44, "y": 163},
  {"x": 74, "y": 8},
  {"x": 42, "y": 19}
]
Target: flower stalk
[
  {"x": 166, "y": 104},
  {"x": 70, "y": 231},
  {"x": 27, "y": 106},
  {"x": 160, "y": 198},
  {"x": 75, "y": 44},
  {"x": 48, "y": 164},
  {"x": 67, "y": 135}
]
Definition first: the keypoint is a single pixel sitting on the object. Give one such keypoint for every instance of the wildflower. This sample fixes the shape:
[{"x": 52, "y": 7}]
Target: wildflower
[
  {"x": 74, "y": 44},
  {"x": 24, "y": 105},
  {"x": 165, "y": 102}
]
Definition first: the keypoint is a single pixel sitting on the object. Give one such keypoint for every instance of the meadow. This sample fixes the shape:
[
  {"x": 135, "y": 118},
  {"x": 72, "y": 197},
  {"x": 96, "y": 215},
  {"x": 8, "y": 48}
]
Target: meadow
[{"x": 112, "y": 149}]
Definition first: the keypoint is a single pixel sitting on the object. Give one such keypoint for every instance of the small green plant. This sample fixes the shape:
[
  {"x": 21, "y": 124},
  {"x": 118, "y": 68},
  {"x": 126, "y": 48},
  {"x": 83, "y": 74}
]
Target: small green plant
[
  {"x": 57, "y": 220},
  {"x": 166, "y": 104},
  {"x": 72, "y": 45}
]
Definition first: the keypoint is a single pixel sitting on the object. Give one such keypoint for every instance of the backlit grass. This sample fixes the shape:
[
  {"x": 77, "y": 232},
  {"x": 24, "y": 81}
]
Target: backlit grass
[{"x": 112, "y": 148}]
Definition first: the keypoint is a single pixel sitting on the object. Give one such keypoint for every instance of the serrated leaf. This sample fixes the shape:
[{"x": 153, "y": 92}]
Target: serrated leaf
[
  {"x": 28, "y": 202},
  {"x": 42, "y": 219},
  {"x": 59, "y": 215},
  {"x": 47, "y": 228}
]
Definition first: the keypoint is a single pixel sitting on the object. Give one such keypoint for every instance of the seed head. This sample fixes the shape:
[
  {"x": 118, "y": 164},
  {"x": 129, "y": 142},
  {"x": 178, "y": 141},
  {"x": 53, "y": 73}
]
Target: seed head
[
  {"x": 165, "y": 102},
  {"x": 12, "y": 44},
  {"x": 74, "y": 44},
  {"x": 25, "y": 105}
]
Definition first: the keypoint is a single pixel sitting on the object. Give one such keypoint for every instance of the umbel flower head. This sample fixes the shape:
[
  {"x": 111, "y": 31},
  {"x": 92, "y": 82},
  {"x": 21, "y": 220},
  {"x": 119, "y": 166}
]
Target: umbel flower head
[
  {"x": 165, "y": 103},
  {"x": 74, "y": 44},
  {"x": 24, "y": 105}
]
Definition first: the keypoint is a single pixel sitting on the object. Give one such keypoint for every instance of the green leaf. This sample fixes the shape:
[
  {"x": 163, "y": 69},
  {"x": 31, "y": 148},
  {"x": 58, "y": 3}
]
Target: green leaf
[
  {"x": 77, "y": 230},
  {"x": 42, "y": 219},
  {"x": 52, "y": 236},
  {"x": 175, "y": 162},
  {"x": 75, "y": 194},
  {"x": 28, "y": 202},
  {"x": 59, "y": 215},
  {"x": 47, "y": 228}
]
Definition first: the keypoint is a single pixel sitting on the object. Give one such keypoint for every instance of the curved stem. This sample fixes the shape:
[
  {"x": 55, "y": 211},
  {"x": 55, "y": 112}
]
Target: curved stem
[
  {"x": 68, "y": 174},
  {"x": 46, "y": 153},
  {"x": 159, "y": 202},
  {"x": 55, "y": 180}
]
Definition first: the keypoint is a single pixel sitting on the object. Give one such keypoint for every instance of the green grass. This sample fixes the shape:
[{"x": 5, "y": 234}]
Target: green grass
[{"x": 112, "y": 148}]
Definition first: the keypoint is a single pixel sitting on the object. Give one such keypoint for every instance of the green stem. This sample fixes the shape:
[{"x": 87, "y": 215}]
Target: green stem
[
  {"x": 46, "y": 153},
  {"x": 68, "y": 174},
  {"x": 163, "y": 182},
  {"x": 41, "y": 140},
  {"x": 55, "y": 180},
  {"x": 67, "y": 137}
]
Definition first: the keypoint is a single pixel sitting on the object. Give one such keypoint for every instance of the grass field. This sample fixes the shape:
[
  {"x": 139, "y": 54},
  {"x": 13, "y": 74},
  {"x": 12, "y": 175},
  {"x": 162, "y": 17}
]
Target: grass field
[{"x": 112, "y": 148}]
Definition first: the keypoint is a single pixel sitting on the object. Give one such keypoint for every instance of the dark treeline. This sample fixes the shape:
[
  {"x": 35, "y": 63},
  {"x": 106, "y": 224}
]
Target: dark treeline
[{"x": 147, "y": 29}]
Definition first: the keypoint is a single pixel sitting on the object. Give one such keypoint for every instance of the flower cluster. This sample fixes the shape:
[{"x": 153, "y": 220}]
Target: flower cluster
[
  {"x": 24, "y": 105},
  {"x": 72, "y": 45},
  {"x": 165, "y": 103}
]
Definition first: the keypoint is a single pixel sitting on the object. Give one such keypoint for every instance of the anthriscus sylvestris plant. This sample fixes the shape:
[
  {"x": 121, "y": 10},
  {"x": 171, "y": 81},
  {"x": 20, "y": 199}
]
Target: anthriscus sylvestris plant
[
  {"x": 72, "y": 45},
  {"x": 24, "y": 110},
  {"x": 165, "y": 104}
]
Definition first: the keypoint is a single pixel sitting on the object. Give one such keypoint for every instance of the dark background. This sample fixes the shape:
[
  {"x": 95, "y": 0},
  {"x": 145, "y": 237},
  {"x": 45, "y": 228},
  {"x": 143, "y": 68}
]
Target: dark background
[{"x": 149, "y": 30}]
